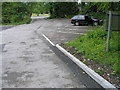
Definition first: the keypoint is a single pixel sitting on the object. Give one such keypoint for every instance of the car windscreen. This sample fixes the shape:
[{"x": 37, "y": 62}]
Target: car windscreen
[{"x": 75, "y": 17}]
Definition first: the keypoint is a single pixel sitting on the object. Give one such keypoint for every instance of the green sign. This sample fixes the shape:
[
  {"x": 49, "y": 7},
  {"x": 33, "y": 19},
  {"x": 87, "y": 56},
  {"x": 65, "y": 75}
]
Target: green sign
[{"x": 115, "y": 20}]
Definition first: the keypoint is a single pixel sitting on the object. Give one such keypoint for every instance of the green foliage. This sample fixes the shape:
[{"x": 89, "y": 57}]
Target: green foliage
[
  {"x": 97, "y": 34},
  {"x": 0, "y": 13},
  {"x": 93, "y": 45},
  {"x": 40, "y": 7},
  {"x": 35, "y": 15},
  {"x": 100, "y": 7},
  {"x": 63, "y": 9},
  {"x": 13, "y": 12},
  {"x": 101, "y": 72},
  {"x": 99, "y": 15}
]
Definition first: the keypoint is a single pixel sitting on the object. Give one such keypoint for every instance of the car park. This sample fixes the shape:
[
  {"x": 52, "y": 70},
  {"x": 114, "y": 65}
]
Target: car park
[{"x": 85, "y": 20}]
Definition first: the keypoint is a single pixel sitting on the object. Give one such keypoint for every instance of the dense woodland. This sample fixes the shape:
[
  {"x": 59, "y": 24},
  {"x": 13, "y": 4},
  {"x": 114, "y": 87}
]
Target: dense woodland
[{"x": 13, "y": 12}]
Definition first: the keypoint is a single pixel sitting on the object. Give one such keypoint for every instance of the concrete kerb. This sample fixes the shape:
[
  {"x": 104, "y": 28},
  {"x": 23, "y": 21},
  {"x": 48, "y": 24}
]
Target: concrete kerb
[
  {"x": 48, "y": 39},
  {"x": 100, "y": 80}
]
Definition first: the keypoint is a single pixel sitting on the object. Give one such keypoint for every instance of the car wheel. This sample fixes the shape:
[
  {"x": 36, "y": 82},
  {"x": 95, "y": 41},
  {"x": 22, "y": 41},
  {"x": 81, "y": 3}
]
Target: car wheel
[
  {"x": 77, "y": 23},
  {"x": 95, "y": 23}
]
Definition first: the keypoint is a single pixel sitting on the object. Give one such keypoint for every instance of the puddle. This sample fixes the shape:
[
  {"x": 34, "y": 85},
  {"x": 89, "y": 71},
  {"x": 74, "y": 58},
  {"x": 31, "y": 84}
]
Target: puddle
[
  {"x": 27, "y": 58},
  {"x": 9, "y": 42},
  {"x": 12, "y": 77},
  {"x": 28, "y": 52},
  {"x": 32, "y": 38},
  {"x": 13, "y": 62},
  {"x": 17, "y": 78},
  {"x": 2, "y": 46},
  {"x": 33, "y": 45},
  {"x": 47, "y": 51},
  {"x": 23, "y": 43}
]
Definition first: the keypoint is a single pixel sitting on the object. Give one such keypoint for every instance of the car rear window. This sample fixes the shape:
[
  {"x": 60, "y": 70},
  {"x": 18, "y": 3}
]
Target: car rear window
[{"x": 81, "y": 17}]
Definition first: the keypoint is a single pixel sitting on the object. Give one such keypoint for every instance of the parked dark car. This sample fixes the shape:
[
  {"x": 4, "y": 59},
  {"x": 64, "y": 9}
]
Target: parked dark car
[{"x": 85, "y": 20}]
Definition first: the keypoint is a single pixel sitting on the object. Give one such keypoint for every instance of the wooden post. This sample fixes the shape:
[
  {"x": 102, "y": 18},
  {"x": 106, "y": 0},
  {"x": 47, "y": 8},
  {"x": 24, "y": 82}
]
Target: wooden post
[{"x": 109, "y": 27}]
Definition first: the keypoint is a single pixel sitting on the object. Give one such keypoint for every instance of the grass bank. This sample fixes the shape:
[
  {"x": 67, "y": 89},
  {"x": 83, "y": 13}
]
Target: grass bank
[
  {"x": 27, "y": 21},
  {"x": 93, "y": 46},
  {"x": 16, "y": 23}
]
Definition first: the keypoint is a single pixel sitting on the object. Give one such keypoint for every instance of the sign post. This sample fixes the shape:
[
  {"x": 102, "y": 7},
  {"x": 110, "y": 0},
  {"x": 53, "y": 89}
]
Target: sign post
[{"x": 109, "y": 29}]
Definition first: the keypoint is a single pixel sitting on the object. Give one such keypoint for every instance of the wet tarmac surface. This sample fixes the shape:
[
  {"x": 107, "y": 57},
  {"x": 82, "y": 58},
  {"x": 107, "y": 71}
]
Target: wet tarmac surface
[
  {"x": 29, "y": 61},
  {"x": 59, "y": 31},
  {"x": 5, "y": 27}
]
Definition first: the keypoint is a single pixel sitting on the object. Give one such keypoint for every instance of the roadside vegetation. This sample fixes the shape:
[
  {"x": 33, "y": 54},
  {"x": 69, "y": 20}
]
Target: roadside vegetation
[
  {"x": 16, "y": 12},
  {"x": 35, "y": 15},
  {"x": 21, "y": 12},
  {"x": 93, "y": 46}
]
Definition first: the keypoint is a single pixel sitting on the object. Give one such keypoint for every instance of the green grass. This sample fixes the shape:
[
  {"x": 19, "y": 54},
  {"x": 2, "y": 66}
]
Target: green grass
[
  {"x": 35, "y": 15},
  {"x": 93, "y": 46},
  {"x": 101, "y": 72},
  {"x": 16, "y": 23},
  {"x": 26, "y": 21}
]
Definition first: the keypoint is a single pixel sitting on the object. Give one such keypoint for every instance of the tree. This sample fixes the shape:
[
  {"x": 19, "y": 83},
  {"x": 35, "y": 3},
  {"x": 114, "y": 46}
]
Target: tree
[
  {"x": 100, "y": 6},
  {"x": 63, "y": 9},
  {"x": 13, "y": 12},
  {"x": 40, "y": 8},
  {"x": 0, "y": 13}
]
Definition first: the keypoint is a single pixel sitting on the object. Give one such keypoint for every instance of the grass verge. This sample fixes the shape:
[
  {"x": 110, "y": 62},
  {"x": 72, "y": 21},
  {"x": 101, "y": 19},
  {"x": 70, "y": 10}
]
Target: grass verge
[
  {"x": 93, "y": 46},
  {"x": 16, "y": 23}
]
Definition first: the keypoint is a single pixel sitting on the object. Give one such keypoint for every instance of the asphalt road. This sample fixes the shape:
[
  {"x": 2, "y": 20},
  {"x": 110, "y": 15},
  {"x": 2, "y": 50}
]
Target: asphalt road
[
  {"x": 34, "y": 19},
  {"x": 5, "y": 27},
  {"x": 61, "y": 30},
  {"x": 29, "y": 61}
]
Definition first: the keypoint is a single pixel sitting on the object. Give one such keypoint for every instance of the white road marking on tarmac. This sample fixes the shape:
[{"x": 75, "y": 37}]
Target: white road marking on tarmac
[
  {"x": 72, "y": 29},
  {"x": 72, "y": 33},
  {"x": 48, "y": 40}
]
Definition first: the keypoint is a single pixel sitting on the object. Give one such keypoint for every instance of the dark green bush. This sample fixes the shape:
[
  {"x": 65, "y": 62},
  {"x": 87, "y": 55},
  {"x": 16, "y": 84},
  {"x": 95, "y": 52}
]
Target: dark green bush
[{"x": 16, "y": 12}]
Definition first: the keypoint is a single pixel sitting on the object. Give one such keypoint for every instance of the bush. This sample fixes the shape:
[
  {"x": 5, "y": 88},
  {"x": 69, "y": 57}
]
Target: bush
[
  {"x": 99, "y": 15},
  {"x": 15, "y": 12},
  {"x": 27, "y": 20}
]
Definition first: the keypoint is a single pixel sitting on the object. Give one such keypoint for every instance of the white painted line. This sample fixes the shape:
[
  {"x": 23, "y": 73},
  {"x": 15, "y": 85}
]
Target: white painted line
[
  {"x": 73, "y": 29},
  {"x": 100, "y": 80},
  {"x": 71, "y": 33},
  {"x": 48, "y": 40},
  {"x": 67, "y": 29}
]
